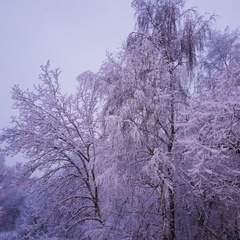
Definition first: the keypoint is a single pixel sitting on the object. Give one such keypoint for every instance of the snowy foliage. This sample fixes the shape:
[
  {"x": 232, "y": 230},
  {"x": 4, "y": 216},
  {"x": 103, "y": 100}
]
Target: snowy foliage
[{"x": 147, "y": 148}]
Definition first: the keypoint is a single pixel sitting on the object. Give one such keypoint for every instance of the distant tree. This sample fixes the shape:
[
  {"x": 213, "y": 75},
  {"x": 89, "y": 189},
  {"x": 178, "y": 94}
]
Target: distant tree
[
  {"x": 3, "y": 170},
  {"x": 222, "y": 51},
  {"x": 11, "y": 209},
  {"x": 11, "y": 197}
]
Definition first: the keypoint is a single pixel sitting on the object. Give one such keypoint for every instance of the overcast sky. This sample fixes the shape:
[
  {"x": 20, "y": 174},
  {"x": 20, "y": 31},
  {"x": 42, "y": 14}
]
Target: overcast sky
[{"x": 73, "y": 34}]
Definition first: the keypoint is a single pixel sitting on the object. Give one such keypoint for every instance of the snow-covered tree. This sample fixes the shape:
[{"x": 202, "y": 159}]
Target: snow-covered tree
[
  {"x": 57, "y": 134},
  {"x": 211, "y": 141},
  {"x": 147, "y": 148},
  {"x": 147, "y": 85}
]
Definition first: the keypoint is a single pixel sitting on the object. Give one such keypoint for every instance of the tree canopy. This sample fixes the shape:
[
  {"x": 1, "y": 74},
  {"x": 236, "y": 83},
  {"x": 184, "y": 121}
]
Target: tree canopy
[{"x": 146, "y": 148}]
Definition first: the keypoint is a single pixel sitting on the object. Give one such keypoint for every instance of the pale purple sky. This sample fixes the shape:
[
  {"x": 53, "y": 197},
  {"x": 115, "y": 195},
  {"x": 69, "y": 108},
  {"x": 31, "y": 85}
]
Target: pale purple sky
[{"x": 73, "y": 34}]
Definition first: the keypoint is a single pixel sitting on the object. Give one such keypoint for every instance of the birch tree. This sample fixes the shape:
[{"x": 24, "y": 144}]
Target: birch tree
[{"x": 147, "y": 86}]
